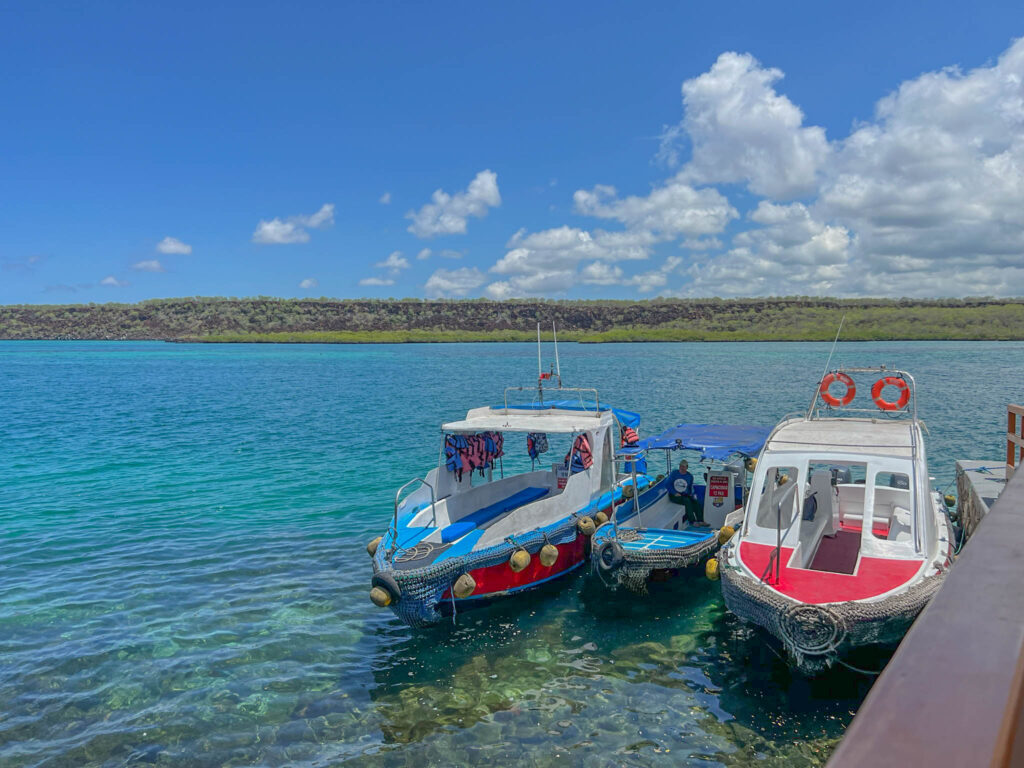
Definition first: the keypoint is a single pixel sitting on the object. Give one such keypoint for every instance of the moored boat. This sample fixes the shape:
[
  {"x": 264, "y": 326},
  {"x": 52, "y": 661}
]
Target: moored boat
[
  {"x": 844, "y": 542},
  {"x": 470, "y": 532},
  {"x": 679, "y": 521}
]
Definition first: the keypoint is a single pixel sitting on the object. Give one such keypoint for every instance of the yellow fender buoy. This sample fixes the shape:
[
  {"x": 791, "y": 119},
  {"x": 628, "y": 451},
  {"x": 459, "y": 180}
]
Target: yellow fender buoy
[
  {"x": 600, "y": 518},
  {"x": 371, "y": 548},
  {"x": 783, "y": 479},
  {"x": 627, "y": 491},
  {"x": 586, "y": 526},
  {"x": 949, "y": 499},
  {"x": 464, "y": 586},
  {"x": 548, "y": 555},
  {"x": 725, "y": 533},
  {"x": 380, "y": 597},
  {"x": 711, "y": 569},
  {"x": 519, "y": 560},
  {"x": 750, "y": 464}
]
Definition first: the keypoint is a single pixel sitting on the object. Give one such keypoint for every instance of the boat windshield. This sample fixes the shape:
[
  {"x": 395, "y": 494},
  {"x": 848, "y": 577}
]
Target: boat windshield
[{"x": 810, "y": 496}]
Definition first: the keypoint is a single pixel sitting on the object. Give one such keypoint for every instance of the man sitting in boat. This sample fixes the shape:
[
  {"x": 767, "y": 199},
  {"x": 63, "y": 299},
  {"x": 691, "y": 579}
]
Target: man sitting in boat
[{"x": 680, "y": 491}]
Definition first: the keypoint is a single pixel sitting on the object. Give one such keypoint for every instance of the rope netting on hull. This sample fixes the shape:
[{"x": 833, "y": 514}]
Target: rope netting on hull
[
  {"x": 635, "y": 570},
  {"x": 816, "y": 635},
  {"x": 422, "y": 588}
]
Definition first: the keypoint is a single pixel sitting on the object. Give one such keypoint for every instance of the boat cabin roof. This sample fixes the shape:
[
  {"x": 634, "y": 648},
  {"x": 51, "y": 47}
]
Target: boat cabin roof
[
  {"x": 878, "y": 437},
  {"x": 555, "y": 420}
]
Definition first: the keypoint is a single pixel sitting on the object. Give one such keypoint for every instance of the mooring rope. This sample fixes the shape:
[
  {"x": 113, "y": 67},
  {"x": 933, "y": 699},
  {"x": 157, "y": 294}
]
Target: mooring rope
[{"x": 869, "y": 672}]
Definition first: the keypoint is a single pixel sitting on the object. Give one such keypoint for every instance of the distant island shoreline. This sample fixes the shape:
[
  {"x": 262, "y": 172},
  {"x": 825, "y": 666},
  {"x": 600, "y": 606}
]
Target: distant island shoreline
[{"x": 370, "y": 321}]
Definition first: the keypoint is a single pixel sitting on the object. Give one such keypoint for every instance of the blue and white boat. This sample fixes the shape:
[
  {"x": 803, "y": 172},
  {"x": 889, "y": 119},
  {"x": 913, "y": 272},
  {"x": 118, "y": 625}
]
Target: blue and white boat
[
  {"x": 473, "y": 532},
  {"x": 652, "y": 535}
]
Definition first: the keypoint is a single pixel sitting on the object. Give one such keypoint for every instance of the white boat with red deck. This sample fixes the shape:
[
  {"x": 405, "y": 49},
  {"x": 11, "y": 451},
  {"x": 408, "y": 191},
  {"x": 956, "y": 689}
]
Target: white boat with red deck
[{"x": 843, "y": 542}]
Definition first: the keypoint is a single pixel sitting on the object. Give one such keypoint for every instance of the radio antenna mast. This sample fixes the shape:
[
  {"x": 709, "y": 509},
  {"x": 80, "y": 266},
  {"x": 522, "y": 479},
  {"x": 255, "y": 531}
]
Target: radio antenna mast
[
  {"x": 540, "y": 370},
  {"x": 827, "y": 363},
  {"x": 558, "y": 367}
]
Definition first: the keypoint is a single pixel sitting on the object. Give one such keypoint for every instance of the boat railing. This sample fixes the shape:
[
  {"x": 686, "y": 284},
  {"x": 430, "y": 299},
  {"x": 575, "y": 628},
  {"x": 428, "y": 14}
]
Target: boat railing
[
  {"x": 574, "y": 393},
  {"x": 394, "y": 522},
  {"x": 814, "y": 408},
  {"x": 631, "y": 473},
  {"x": 776, "y": 556}
]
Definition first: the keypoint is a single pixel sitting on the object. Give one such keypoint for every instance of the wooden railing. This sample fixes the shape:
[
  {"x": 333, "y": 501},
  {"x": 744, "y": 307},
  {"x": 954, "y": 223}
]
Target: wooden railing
[
  {"x": 953, "y": 693},
  {"x": 1014, "y": 438}
]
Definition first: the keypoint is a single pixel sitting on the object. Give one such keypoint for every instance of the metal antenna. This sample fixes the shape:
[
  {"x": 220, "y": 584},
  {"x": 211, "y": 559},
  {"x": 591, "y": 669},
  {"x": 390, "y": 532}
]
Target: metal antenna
[
  {"x": 827, "y": 363},
  {"x": 558, "y": 367},
  {"x": 540, "y": 370}
]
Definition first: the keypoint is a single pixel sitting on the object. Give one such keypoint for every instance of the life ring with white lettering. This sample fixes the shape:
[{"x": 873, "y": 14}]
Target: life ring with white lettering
[
  {"x": 832, "y": 400},
  {"x": 888, "y": 405}
]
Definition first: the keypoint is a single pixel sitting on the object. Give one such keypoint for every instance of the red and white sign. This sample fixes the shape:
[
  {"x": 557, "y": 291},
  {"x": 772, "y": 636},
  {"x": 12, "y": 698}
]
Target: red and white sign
[{"x": 718, "y": 485}]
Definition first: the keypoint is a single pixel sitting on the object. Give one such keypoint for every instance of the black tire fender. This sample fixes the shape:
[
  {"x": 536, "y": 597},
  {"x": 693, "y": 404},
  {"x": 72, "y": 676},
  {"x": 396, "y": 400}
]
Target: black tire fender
[{"x": 610, "y": 556}]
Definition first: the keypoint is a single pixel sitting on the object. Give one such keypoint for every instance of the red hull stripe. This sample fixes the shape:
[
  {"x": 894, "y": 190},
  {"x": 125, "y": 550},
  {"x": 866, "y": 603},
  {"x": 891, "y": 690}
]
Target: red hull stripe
[
  {"x": 874, "y": 576},
  {"x": 496, "y": 579}
]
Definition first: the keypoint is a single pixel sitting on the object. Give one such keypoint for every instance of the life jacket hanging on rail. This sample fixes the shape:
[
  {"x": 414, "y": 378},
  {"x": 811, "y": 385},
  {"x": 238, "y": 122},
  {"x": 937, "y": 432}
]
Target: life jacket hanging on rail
[
  {"x": 536, "y": 444},
  {"x": 471, "y": 452},
  {"x": 581, "y": 455},
  {"x": 455, "y": 447},
  {"x": 629, "y": 437}
]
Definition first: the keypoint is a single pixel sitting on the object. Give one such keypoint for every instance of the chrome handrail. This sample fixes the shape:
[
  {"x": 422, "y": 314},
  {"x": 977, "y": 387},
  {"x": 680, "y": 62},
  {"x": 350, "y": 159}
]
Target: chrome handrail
[
  {"x": 776, "y": 555},
  {"x": 636, "y": 498},
  {"x": 433, "y": 511},
  {"x": 815, "y": 408},
  {"x": 579, "y": 390}
]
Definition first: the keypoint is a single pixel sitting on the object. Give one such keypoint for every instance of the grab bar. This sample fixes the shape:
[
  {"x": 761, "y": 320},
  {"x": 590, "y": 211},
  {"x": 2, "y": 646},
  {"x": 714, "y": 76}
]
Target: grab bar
[{"x": 433, "y": 511}]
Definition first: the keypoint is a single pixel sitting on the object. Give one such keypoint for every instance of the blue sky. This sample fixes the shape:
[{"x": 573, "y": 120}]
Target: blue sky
[{"x": 583, "y": 150}]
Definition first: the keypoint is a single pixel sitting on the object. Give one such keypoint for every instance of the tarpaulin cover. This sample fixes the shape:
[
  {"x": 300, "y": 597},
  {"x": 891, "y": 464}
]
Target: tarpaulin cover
[
  {"x": 714, "y": 441},
  {"x": 626, "y": 418}
]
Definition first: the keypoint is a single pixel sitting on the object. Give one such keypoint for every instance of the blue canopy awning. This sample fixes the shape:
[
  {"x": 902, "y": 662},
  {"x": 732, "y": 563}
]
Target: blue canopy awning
[
  {"x": 626, "y": 418},
  {"x": 714, "y": 441}
]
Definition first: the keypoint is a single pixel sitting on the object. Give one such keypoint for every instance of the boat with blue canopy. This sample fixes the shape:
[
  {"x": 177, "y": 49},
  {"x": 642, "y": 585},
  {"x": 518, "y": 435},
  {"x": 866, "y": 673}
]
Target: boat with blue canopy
[
  {"x": 679, "y": 521},
  {"x": 491, "y": 520}
]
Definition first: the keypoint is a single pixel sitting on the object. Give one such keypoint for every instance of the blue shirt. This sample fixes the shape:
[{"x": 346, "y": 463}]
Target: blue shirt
[{"x": 680, "y": 483}]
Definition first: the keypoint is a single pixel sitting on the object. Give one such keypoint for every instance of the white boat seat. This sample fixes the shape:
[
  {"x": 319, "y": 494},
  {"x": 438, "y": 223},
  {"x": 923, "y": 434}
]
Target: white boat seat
[
  {"x": 899, "y": 524},
  {"x": 825, "y": 499}
]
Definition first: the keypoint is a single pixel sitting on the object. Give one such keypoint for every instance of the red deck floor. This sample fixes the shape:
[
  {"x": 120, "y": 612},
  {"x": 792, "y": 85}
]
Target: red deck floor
[{"x": 874, "y": 576}]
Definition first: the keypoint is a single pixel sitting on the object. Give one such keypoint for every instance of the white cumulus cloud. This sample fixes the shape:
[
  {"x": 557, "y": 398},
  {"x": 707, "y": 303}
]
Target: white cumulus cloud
[
  {"x": 376, "y": 281},
  {"x": 294, "y": 229},
  {"x": 172, "y": 245},
  {"x": 395, "y": 262},
  {"x": 670, "y": 210},
  {"x": 385, "y": 199},
  {"x": 925, "y": 199},
  {"x": 450, "y": 283},
  {"x": 424, "y": 254},
  {"x": 309, "y": 282},
  {"x": 447, "y": 214},
  {"x": 114, "y": 282},
  {"x": 743, "y": 131},
  {"x": 149, "y": 265}
]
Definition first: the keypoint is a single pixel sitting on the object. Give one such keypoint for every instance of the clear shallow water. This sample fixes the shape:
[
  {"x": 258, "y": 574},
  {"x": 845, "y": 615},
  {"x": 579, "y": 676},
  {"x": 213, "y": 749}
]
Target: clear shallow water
[{"x": 183, "y": 579}]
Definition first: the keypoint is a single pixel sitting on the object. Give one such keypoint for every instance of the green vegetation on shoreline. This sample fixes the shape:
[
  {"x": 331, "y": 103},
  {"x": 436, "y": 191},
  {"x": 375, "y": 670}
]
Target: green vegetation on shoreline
[{"x": 356, "y": 321}]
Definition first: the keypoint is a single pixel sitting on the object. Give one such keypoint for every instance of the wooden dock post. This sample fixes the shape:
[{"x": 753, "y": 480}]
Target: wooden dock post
[{"x": 1014, "y": 438}]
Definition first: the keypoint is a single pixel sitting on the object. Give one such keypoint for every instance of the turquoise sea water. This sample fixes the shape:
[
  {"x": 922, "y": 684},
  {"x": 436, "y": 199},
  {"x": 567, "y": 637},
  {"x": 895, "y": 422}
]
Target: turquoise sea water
[{"x": 183, "y": 578}]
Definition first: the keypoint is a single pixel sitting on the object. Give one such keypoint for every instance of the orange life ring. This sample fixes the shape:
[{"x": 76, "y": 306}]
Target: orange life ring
[
  {"x": 890, "y": 381},
  {"x": 831, "y": 400}
]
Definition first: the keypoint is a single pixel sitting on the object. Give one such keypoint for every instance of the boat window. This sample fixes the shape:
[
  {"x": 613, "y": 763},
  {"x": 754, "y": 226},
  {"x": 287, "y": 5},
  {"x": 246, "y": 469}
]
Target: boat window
[
  {"x": 780, "y": 488},
  {"x": 891, "y": 513},
  {"x": 842, "y": 473}
]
